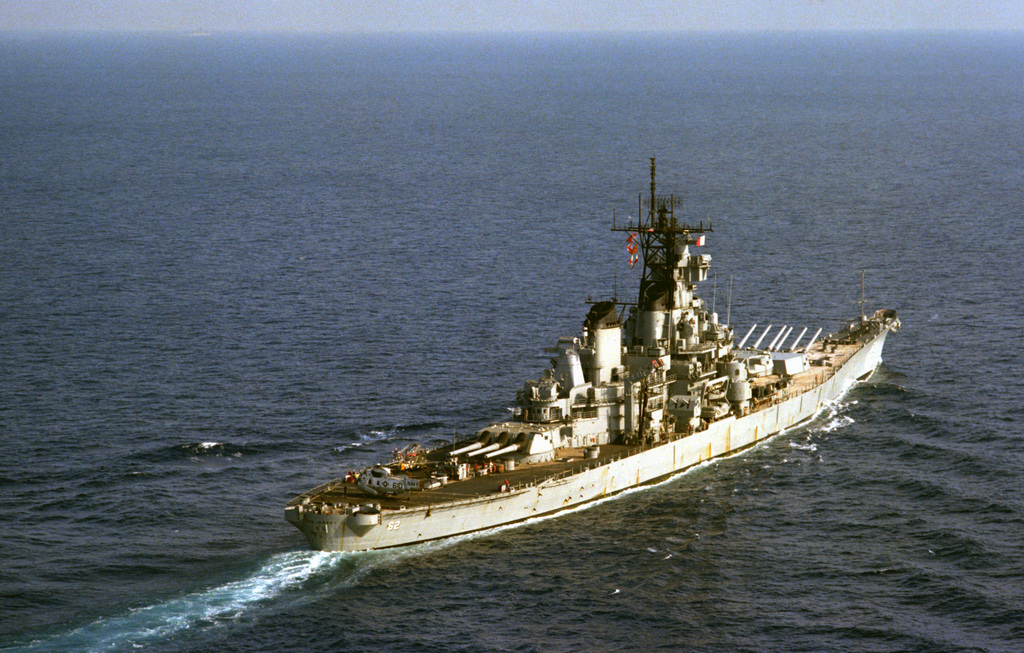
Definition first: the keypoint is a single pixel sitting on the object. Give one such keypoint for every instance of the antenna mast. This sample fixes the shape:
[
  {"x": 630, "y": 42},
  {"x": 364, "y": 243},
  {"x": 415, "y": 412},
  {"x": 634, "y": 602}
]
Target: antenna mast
[
  {"x": 662, "y": 239},
  {"x": 728, "y": 309},
  {"x": 714, "y": 292},
  {"x": 653, "y": 204},
  {"x": 862, "y": 316}
]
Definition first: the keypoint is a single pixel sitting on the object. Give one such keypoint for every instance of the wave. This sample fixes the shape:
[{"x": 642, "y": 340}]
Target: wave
[
  {"x": 832, "y": 417},
  {"x": 195, "y": 451},
  {"x": 808, "y": 446},
  {"x": 836, "y": 423},
  {"x": 310, "y": 571},
  {"x": 205, "y": 608},
  {"x": 367, "y": 437}
]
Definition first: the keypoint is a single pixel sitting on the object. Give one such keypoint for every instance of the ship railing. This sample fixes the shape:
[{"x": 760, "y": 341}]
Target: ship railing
[
  {"x": 601, "y": 462},
  {"x": 787, "y": 394},
  {"x": 823, "y": 376}
]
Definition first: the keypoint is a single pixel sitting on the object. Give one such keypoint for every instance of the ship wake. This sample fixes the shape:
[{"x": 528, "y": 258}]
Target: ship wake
[{"x": 198, "y": 610}]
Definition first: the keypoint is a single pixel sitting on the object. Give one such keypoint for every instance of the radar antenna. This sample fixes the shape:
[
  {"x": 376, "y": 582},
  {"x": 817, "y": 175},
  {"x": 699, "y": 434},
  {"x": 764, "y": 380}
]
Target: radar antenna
[{"x": 661, "y": 239}]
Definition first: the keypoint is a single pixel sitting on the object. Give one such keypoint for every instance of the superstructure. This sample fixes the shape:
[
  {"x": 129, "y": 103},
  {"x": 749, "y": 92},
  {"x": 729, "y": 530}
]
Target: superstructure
[{"x": 648, "y": 389}]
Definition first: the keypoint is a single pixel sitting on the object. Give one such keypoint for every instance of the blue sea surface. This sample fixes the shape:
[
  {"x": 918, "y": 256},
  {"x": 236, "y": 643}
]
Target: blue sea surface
[{"x": 235, "y": 267}]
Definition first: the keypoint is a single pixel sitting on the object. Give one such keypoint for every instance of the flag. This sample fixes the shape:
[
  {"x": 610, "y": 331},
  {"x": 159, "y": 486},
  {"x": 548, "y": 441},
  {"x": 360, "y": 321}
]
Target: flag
[
  {"x": 700, "y": 241},
  {"x": 632, "y": 249}
]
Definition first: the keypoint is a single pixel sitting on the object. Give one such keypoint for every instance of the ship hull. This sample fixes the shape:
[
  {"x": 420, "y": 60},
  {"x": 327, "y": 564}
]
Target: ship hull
[{"x": 339, "y": 532}]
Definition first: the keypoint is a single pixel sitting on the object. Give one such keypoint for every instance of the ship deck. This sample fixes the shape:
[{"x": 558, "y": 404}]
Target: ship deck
[
  {"x": 826, "y": 360},
  {"x": 567, "y": 462}
]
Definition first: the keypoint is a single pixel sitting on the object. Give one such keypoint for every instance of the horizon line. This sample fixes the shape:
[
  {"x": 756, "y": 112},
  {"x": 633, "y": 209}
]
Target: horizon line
[{"x": 203, "y": 32}]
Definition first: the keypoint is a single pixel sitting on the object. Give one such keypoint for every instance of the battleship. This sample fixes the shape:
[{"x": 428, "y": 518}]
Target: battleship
[{"x": 649, "y": 388}]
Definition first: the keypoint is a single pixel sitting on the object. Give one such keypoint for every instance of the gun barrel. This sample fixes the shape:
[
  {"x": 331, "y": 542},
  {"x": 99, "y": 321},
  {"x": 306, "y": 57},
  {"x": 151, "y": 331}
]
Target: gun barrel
[
  {"x": 813, "y": 340},
  {"x": 744, "y": 341},
  {"x": 469, "y": 447},
  {"x": 792, "y": 345},
  {"x": 509, "y": 449},
  {"x": 489, "y": 448},
  {"x": 767, "y": 329}
]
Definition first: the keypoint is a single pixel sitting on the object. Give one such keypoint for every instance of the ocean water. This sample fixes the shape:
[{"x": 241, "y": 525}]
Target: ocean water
[{"x": 232, "y": 268}]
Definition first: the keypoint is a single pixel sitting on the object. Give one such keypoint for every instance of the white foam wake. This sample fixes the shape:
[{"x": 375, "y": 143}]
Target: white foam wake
[
  {"x": 199, "y": 609},
  {"x": 833, "y": 416},
  {"x": 837, "y": 423}
]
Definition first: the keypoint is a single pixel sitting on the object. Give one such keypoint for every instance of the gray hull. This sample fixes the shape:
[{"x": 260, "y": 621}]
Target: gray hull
[{"x": 402, "y": 527}]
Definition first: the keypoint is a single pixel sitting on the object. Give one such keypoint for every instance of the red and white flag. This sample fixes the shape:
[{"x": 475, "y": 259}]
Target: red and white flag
[
  {"x": 700, "y": 241},
  {"x": 632, "y": 249}
]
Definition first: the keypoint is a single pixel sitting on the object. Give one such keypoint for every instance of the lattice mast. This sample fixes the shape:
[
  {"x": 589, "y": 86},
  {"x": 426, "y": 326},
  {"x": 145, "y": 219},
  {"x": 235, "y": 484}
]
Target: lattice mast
[{"x": 669, "y": 271}]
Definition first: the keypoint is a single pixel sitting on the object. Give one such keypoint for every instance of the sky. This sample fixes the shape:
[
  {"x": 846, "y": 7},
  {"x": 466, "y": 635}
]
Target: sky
[{"x": 382, "y": 16}]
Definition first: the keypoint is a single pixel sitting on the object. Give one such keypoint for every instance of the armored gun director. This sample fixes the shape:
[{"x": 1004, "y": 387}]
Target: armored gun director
[{"x": 634, "y": 399}]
